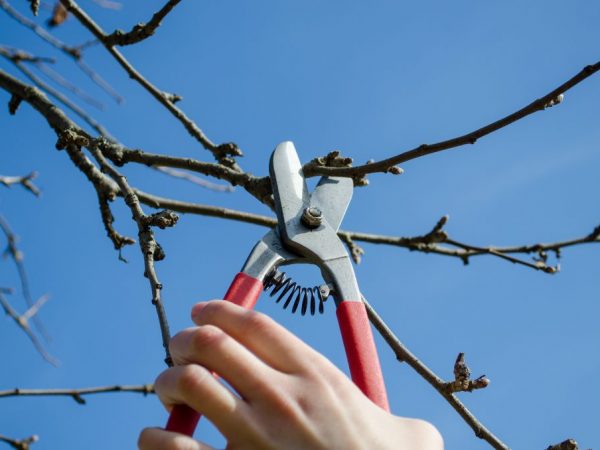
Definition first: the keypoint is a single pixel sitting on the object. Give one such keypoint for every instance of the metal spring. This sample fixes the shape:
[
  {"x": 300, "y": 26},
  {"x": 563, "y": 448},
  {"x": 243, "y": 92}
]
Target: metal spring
[{"x": 295, "y": 295}]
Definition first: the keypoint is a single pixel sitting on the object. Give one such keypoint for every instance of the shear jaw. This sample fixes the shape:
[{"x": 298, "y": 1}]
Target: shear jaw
[{"x": 319, "y": 244}]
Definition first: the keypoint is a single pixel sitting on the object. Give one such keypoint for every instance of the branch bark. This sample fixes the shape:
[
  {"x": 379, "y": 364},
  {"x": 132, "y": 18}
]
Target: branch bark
[
  {"x": 78, "y": 394},
  {"x": 222, "y": 153},
  {"x": 140, "y": 31},
  {"x": 550, "y": 99},
  {"x": 403, "y": 354}
]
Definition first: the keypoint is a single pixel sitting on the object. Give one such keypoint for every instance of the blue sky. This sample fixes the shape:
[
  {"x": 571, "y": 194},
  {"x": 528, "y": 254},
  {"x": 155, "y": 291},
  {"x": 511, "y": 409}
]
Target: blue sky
[{"x": 371, "y": 80}]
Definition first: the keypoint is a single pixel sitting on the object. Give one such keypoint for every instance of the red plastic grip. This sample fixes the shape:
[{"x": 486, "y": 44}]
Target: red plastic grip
[
  {"x": 183, "y": 419},
  {"x": 244, "y": 291},
  {"x": 361, "y": 352}
]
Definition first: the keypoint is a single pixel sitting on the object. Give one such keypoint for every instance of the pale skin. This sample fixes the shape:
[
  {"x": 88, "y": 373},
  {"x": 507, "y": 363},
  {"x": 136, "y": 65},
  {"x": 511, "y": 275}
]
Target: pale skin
[{"x": 289, "y": 396}]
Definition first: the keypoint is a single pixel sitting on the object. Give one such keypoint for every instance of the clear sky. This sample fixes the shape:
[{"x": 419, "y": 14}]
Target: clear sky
[{"x": 371, "y": 79}]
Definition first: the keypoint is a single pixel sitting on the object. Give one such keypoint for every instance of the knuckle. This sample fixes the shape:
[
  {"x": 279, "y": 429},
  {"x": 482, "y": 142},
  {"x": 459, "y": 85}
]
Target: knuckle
[
  {"x": 212, "y": 309},
  {"x": 191, "y": 378},
  {"x": 206, "y": 336},
  {"x": 282, "y": 403},
  {"x": 255, "y": 322}
]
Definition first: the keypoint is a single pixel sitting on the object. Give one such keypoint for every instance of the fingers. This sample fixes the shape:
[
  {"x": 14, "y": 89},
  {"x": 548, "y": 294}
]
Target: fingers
[
  {"x": 264, "y": 337},
  {"x": 217, "y": 351},
  {"x": 158, "y": 439},
  {"x": 196, "y": 387}
]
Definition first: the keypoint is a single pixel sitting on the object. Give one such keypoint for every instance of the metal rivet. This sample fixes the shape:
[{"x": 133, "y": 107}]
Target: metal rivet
[{"x": 312, "y": 217}]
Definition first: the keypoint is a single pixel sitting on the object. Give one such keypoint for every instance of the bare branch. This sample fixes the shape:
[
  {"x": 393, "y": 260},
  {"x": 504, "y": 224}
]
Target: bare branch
[
  {"x": 40, "y": 31},
  {"x": 17, "y": 257},
  {"x": 222, "y": 153},
  {"x": 260, "y": 188},
  {"x": 569, "y": 444},
  {"x": 66, "y": 84},
  {"x": 77, "y": 394},
  {"x": 355, "y": 250},
  {"x": 31, "y": 312},
  {"x": 15, "y": 59},
  {"x": 118, "y": 240},
  {"x": 140, "y": 31},
  {"x": 23, "y": 444},
  {"x": 22, "y": 322},
  {"x": 404, "y": 354},
  {"x": 73, "y": 52},
  {"x": 108, "y": 4},
  {"x": 25, "y": 181},
  {"x": 552, "y": 98},
  {"x": 151, "y": 250},
  {"x": 436, "y": 241},
  {"x": 194, "y": 179}
]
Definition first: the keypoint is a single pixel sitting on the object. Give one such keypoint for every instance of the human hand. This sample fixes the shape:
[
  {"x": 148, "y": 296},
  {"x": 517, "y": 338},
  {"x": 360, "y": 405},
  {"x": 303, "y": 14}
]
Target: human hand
[{"x": 290, "y": 396}]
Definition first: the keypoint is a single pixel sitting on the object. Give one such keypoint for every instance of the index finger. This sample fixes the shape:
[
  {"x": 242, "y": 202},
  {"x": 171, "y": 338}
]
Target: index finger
[{"x": 260, "y": 334}]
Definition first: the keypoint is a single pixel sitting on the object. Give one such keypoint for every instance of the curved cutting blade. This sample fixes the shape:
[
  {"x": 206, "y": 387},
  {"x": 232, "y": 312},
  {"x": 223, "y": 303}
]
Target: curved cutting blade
[
  {"x": 289, "y": 187},
  {"x": 318, "y": 245},
  {"x": 332, "y": 196}
]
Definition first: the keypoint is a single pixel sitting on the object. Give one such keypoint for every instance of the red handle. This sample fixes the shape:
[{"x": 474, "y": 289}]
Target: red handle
[
  {"x": 243, "y": 291},
  {"x": 361, "y": 352}
]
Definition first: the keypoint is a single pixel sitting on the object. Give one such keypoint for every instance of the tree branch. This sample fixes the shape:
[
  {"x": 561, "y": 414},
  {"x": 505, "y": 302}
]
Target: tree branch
[
  {"x": 151, "y": 250},
  {"x": 22, "y": 444},
  {"x": 403, "y": 354},
  {"x": 77, "y": 394},
  {"x": 140, "y": 31},
  {"x": 17, "y": 257},
  {"x": 22, "y": 322},
  {"x": 72, "y": 52},
  {"x": 15, "y": 59},
  {"x": 569, "y": 444},
  {"x": 552, "y": 98},
  {"x": 25, "y": 181},
  {"x": 222, "y": 153},
  {"x": 194, "y": 179}
]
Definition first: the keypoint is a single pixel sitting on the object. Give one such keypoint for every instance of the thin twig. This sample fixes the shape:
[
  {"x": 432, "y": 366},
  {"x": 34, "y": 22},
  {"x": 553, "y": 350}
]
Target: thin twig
[
  {"x": 40, "y": 31},
  {"x": 118, "y": 240},
  {"x": 25, "y": 180},
  {"x": 17, "y": 257},
  {"x": 73, "y": 52},
  {"x": 66, "y": 84},
  {"x": 550, "y": 99},
  {"x": 77, "y": 394},
  {"x": 19, "y": 444},
  {"x": 56, "y": 94},
  {"x": 22, "y": 322},
  {"x": 403, "y": 354},
  {"x": 222, "y": 153},
  {"x": 194, "y": 179},
  {"x": 151, "y": 250},
  {"x": 140, "y": 31},
  {"x": 259, "y": 187}
]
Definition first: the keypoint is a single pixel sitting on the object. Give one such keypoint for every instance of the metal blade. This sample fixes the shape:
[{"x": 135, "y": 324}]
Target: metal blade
[
  {"x": 289, "y": 187},
  {"x": 318, "y": 245},
  {"x": 332, "y": 196}
]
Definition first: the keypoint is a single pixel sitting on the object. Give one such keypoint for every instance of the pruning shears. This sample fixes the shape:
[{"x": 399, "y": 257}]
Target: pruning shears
[{"x": 306, "y": 233}]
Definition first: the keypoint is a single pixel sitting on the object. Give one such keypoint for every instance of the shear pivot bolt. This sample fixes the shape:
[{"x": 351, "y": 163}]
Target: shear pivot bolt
[{"x": 312, "y": 217}]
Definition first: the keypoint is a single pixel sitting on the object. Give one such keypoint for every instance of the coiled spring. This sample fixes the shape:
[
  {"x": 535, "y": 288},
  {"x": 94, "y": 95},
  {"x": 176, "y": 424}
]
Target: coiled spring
[{"x": 299, "y": 297}]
